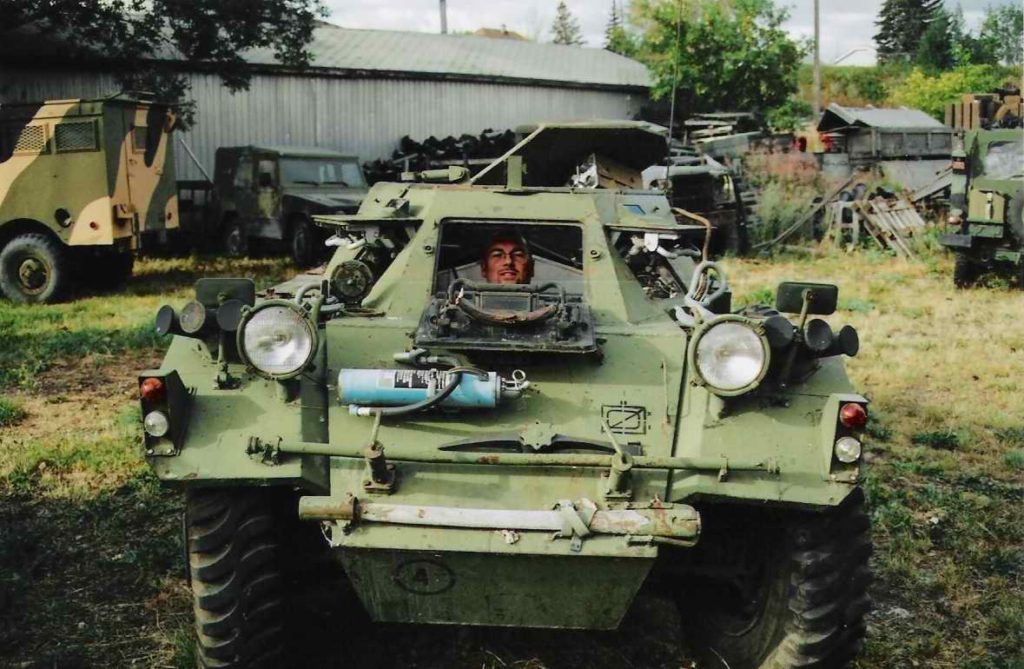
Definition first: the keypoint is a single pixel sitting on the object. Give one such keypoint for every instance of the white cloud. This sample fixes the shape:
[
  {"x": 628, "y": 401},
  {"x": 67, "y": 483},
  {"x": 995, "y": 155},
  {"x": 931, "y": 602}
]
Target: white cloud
[{"x": 843, "y": 29}]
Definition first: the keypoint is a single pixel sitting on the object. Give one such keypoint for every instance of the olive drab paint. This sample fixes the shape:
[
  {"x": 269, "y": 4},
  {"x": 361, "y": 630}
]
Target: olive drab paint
[
  {"x": 88, "y": 172},
  {"x": 502, "y": 515}
]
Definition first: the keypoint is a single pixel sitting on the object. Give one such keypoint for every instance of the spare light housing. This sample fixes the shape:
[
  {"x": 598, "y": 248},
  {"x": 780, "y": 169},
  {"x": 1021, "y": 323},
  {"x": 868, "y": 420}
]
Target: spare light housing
[
  {"x": 730, "y": 355},
  {"x": 277, "y": 339}
]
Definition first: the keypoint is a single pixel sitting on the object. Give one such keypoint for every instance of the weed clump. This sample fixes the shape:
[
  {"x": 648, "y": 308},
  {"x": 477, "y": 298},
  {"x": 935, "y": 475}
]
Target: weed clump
[
  {"x": 946, "y": 440},
  {"x": 10, "y": 412}
]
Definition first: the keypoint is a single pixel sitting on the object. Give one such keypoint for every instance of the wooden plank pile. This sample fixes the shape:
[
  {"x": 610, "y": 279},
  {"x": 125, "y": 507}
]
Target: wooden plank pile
[{"x": 888, "y": 221}]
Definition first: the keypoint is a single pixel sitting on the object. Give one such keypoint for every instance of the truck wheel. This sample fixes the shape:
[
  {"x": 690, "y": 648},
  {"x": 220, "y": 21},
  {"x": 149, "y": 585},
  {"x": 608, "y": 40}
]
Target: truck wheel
[
  {"x": 236, "y": 244},
  {"x": 797, "y": 599},
  {"x": 235, "y": 553},
  {"x": 302, "y": 242},
  {"x": 32, "y": 269},
  {"x": 964, "y": 271}
]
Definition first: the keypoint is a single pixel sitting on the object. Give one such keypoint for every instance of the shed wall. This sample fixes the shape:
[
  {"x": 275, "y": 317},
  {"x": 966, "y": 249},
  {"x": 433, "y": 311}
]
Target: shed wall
[{"x": 365, "y": 117}]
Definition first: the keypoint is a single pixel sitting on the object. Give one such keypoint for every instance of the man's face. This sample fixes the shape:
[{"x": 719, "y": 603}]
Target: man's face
[{"x": 506, "y": 261}]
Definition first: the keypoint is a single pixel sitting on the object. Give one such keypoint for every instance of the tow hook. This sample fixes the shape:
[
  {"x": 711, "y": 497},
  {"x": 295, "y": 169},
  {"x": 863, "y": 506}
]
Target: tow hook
[{"x": 381, "y": 476}]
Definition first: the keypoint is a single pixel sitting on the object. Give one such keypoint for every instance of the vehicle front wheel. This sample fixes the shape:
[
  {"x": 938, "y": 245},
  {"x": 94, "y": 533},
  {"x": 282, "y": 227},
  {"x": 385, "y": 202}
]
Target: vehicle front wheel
[
  {"x": 236, "y": 244},
  {"x": 235, "y": 557},
  {"x": 33, "y": 269},
  {"x": 786, "y": 592},
  {"x": 302, "y": 243},
  {"x": 964, "y": 271}
]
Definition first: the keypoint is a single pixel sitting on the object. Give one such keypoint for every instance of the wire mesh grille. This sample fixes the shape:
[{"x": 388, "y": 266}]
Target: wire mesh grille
[{"x": 75, "y": 136}]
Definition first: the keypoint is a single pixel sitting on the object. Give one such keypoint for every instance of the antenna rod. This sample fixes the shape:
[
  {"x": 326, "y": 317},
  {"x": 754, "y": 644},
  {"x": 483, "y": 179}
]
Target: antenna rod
[
  {"x": 675, "y": 84},
  {"x": 817, "y": 62}
]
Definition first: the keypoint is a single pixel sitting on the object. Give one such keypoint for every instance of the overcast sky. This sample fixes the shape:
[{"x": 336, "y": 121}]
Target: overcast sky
[{"x": 845, "y": 24}]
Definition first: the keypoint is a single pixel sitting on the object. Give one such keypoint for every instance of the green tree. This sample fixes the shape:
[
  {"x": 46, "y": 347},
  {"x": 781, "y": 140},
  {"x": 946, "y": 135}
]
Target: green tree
[
  {"x": 931, "y": 93},
  {"x": 566, "y": 29},
  {"x": 999, "y": 38},
  {"x": 901, "y": 25},
  {"x": 729, "y": 54},
  {"x": 936, "y": 49},
  {"x": 145, "y": 41},
  {"x": 617, "y": 37}
]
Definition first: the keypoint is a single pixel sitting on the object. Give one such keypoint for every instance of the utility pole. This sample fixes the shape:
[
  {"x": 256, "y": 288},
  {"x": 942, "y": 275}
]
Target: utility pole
[
  {"x": 817, "y": 62},
  {"x": 444, "y": 17}
]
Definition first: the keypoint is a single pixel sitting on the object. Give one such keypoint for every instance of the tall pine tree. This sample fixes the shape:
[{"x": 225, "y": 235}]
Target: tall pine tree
[
  {"x": 566, "y": 28},
  {"x": 901, "y": 25},
  {"x": 616, "y": 38}
]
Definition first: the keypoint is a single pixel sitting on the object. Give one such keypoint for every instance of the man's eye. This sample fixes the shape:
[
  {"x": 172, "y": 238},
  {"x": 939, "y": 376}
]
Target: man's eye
[{"x": 518, "y": 255}]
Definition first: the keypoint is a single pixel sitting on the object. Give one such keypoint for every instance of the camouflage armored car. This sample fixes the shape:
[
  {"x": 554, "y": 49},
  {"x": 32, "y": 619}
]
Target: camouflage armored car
[
  {"x": 512, "y": 402},
  {"x": 270, "y": 193},
  {"x": 83, "y": 184}
]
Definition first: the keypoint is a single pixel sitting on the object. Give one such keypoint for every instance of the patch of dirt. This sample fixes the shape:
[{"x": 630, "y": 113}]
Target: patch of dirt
[{"x": 77, "y": 395}]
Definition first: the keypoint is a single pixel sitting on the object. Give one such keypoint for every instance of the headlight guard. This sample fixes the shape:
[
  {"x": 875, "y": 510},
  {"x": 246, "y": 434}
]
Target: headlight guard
[
  {"x": 730, "y": 355},
  {"x": 276, "y": 339}
]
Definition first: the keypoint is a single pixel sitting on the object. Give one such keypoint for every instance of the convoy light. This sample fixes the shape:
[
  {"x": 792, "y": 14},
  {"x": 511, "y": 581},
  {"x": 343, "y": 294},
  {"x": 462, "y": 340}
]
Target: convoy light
[
  {"x": 152, "y": 389},
  {"x": 276, "y": 339},
  {"x": 730, "y": 356},
  {"x": 853, "y": 416},
  {"x": 193, "y": 317},
  {"x": 847, "y": 450},
  {"x": 156, "y": 424}
]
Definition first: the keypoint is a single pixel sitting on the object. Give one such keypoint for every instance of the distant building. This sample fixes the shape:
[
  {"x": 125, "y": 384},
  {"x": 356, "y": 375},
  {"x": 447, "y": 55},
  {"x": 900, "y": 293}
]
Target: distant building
[
  {"x": 368, "y": 88},
  {"x": 906, "y": 145}
]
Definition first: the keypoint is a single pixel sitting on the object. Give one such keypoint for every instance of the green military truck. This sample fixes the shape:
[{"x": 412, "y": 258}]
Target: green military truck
[
  {"x": 83, "y": 185},
  {"x": 270, "y": 193},
  {"x": 512, "y": 402},
  {"x": 987, "y": 189}
]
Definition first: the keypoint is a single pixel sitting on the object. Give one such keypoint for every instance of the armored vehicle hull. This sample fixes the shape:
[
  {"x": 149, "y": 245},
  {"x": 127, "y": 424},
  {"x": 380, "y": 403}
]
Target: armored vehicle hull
[{"x": 510, "y": 405}]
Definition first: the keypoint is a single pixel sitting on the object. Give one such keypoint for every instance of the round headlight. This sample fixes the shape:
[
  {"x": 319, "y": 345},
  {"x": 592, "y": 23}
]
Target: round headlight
[
  {"x": 731, "y": 357},
  {"x": 847, "y": 450},
  {"x": 155, "y": 424},
  {"x": 276, "y": 339}
]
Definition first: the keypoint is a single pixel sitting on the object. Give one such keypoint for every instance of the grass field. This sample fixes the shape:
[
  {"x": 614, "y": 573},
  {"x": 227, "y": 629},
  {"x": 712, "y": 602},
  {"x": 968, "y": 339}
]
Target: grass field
[{"x": 90, "y": 567}]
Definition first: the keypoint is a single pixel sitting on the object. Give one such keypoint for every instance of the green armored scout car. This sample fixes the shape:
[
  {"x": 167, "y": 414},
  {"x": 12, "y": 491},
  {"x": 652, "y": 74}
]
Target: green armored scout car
[
  {"x": 512, "y": 402},
  {"x": 271, "y": 192},
  {"x": 83, "y": 183}
]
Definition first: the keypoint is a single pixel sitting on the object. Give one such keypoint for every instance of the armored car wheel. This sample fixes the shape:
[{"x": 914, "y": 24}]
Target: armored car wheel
[
  {"x": 797, "y": 595},
  {"x": 33, "y": 269},
  {"x": 235, "y": 557}
]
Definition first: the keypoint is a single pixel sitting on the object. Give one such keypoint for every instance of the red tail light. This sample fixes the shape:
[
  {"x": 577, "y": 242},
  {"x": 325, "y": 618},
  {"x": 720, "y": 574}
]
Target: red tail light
[
  {"x": 152, "y": 389},
  {"x": 853, "y": 416}
]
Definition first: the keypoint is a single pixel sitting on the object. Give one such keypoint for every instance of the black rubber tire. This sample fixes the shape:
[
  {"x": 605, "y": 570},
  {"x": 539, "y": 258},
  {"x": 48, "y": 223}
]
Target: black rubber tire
[
  {"x": 33, "y": 269},
  {"x": 302, "y": 242},
  {"x": 234, "y": 240},
  {"x": 965, "y": 272},
  {"x": 813, "y": 594},
  {"x": 235, "y": 556}
]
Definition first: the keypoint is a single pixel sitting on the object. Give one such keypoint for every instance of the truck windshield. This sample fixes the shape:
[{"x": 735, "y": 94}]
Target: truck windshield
[
  {"x": 1004, "y": 160},
  {"x": 321, "y": 171}
]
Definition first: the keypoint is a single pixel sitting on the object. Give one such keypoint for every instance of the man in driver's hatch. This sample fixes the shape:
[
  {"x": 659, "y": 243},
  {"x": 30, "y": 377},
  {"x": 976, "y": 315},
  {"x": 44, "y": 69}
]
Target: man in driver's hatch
[{"x": 507, "y": 260}]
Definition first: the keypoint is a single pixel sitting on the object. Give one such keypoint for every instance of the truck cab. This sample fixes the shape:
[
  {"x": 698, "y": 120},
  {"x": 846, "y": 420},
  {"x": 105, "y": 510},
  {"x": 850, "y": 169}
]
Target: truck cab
[{"x": 270, "y": 194}]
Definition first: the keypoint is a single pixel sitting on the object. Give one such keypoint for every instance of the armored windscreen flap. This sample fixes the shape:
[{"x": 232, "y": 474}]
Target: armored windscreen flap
[
  {"x": 211, "y": 292},
  {"x": 822, "y": 297}
]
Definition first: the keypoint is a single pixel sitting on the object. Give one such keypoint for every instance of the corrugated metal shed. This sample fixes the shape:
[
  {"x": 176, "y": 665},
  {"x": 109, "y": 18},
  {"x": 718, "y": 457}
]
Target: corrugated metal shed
[
  {"x": 837, "y": 117},
  {"x": 380, "y": 52}
]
